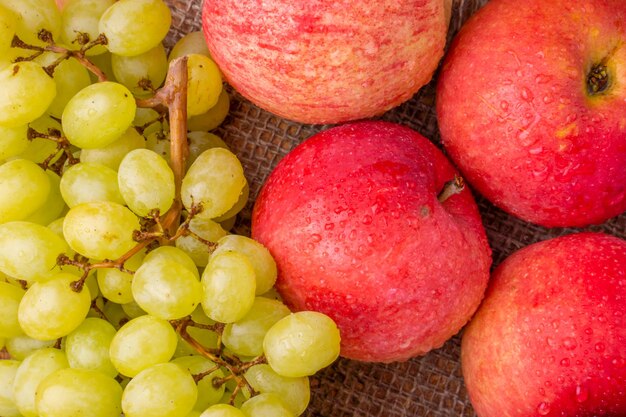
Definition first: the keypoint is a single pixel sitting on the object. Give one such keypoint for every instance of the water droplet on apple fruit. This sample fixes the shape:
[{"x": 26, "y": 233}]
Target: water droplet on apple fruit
[
  {"x": 547, "y": 99},
  {"x": 329, "y": 226},
  {"x": 565, "y": 362},
  {"x": 618, "y": 362},
  {"x": 569, "y": 343},
  {"x": 543, "y": 408},
  {"x": 504, "y": 105},
  {"x": 582, "y": 393},
  {"x": 599, "y": 347},
  {"x": 367, "y": 219},
  {"x": 527, "y": 94}
]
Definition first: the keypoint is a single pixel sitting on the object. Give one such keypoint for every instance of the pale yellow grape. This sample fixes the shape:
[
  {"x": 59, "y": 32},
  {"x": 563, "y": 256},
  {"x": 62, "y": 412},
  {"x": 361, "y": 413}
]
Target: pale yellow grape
[
  {"x": 239, "y": 205},
  {"x": 54, "y": 205},
  {"x": 34, "y": 369},
  {"x": 24, "y": 187},
  {"x": 13, "y": 141},
  {"x": 302, "y": 343},
  {"x": 83, "y": 16},
  {"x": 214, "y": 117},
  {"x": 10, "y": 297},
  {"x": 295, "y": 393},
  {"x": 172, "y": 389},
  {"x": 175, "y": 254},
  {"x": 208, "y": 394},
  {"x": 112, "y": 154},
  {"x": 8, "y": 24},
  {"x": 114, "y": 284},
  {"x": 193, "y": 413},
  {"x": 149, "y": 121},
  {"x": 102, "y": 61},
  {"x": 40, "y": 149},
  {"x": 159, "y": 142},
  {"x": 190, "y": 43},
  {"x": 146, "y": 182},
  {"x": 29, "y": 251},
  {"x": 264, "y": 405},
  {"x": 197, "y": 250},
  {"x": 215, "y": 180},
  {"x": 87, "y": 182},
  {"x": 200, "y": 141},
  {"x": 21, "y": 346},
  {"x": 8, "y": 369},
  {"x": 98, "y": 115},
  {"x": 100, "y": 230},
  {"x": 87, "y": 347},
  {"x": 150, "y": 66},
  {"x": 204, "y": 84},
  {"x": 33, "y": 16},
  {"x": 262, "y": 261},
  {"x": 142, "y": 342},
  {"x": 133, "y": 310},
  {"x": 133, "y": 27},
  {"x": 18, "y": 106},
  {"x": 229, "y": 223},
  {"x": 115, "y": 314},
  {"x": 78, "y": 392},
  {"x": 229, "y": 285},
  {"x": 2, "y": 342},
  {"x": 222, "y": 410},
  {"x": 52, "y": 309}
]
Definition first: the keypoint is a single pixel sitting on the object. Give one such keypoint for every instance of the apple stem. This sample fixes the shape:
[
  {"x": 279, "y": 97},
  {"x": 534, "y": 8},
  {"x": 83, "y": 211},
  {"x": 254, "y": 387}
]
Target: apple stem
[{"x": 450, "y": 188}]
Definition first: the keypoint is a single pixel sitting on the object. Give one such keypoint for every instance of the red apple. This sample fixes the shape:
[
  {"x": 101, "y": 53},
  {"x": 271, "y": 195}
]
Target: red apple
[
  {"x": 550, "y": 336},
  {"x": 322, "y": 61},
  {"x": 353, "y": 219},
  {"x": 531, "y": 103}
]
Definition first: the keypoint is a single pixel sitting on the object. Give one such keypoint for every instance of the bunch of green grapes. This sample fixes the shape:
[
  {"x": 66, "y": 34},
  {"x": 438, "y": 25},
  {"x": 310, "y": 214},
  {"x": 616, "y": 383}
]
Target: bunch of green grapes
[{"x": 122, "y": 289}]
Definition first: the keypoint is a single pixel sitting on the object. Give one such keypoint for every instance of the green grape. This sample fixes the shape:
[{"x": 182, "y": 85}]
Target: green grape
[
  {"x": 174, "y": 254},
  {"x": 88, "y": 182},
  {"x": 8, "y": 24},
  {"x": 222, "y": 410},
  {"x": 24, "y": 187},
  {"x": 115, "y": 315},
  {"x": 200, "y": 142},
  {"x": 239, "y": 205},
  {"x": 133, "y": 27},
  {"x": 63, "y": 310},
  {"x": 215, "y": 180},
  {"x": 114, "y": 284},
  {"x": 294, "y": 392},
  {"x": 149, "y": 67},
  {"x": 172, "y": 392},
  {"x": 34, "y": 369},
  {"x": 102, "y": 61},
  {"x": 2, "y": 342},
  {"x": 13, "y": 140},
  {"x": 29, "y": 251},
  {"x": 197, "y": 250},
  {"x": 264, "y": 265},
  {"x": 8, "y": 369},
  {"x": 78, "y": 392},
  {"x": 83, "y": 16},
  {"x": 87, "y": 347},
  {"x": 40, "y": 149},
  {"x": 228, "y": 285},
  {"x": 21, "y": 346},
  {"x": 54, "y": 205},
  {"x": 166, "y": 289},
  {"x": 245, "y": 336},
  {"x": 208, "y": 394},
  {"x": 264, "y": 405},
  {"x": 26, "y": 93},
  {"x": 302, "y": 343},
  {"x": 159, "y": 142},
  {"x": 112, "y": 154},
  {"x": 214, "y": 117},
  {"x": 149, "y": 121},
  {"x": 10, "y": 297},
  {"x": 191, "y": 43},
  {"x": 146, "y": 182},
  {"x": 98, "y": 115},
  {"x": 33, "y": 16},
  {"x": 100, "y": 229},
  {"x": 133, "y": 310},
  {"x": 142, "y": 342},
  {"x": 205, "y": 337},
  {"x": 229, "y": 223},
  {"x": 204, "y": 84}
]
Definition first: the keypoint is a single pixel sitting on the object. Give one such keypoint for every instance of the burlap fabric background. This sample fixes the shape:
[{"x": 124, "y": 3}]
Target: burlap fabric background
[{"x": 427, "y": 386}]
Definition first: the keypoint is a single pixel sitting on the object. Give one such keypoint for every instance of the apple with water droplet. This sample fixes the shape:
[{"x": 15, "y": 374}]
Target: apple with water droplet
[
  {"x": 550, "y": 336},
  {"x": 321, "y": 61},
  {"x": 369, "y": 226},
  {"x": 531, "y": 104}
]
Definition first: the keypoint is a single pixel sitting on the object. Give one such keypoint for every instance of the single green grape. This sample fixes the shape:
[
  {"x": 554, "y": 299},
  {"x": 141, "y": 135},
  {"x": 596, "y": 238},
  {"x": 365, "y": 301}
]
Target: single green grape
[
  {"x": 54, "y": 205},
  {"x": 100, "y": 229},
  {"x": 197, "y": 250},
  {"x": 10, "y": 297},
  {"x": 229, "y": 285},
  {"x": 175, "y": 254},
  {"x": 159, "y": 142},
  {"x": 8, "y": 24},
  {"x": 204, "y": 84},
  {"x": 26, "y": 93},
  {"x": 24, "y": 188},
  {"x": 142, "y": 342},
  {"x": 33, "y": 16},
  {"x": 13, "y": 140},
  {"x": 103, "y": 62},
  {"x": 222, "y": 410},
  {"x": 63, "y": 311},
  {"x": 214, "y": 117},
  {"x": 83, "y": 16},
  {"x": 87, "y": 347},
  {"x": 29, "y": 251},
  {"x": 215, "y": 180},
  {"x": 98, "y": 115},
  {"x": 8, "y": 369},
  {"x": 146, "y": 182},
  {"x": 115, "y": 315},
  {"x": 142, "y": 73},
  {"x": 114, "y": 284},
  {"x": 78, "y": 392},
  {"x": 149, "y": 121},
  {"x": 266, "y": 404},
  {"x": 245, "y": 336},
  {"x": 88, "y": 182},
  {"x": 133, "y": 310},
  {"x": 302, "y": 343},
  {"x": 190, "y": 43},
  {"x": 112, "y": 154},
  {"x": 133, "y": 27},
  {"x": 34, "y": 369},
  {"x": 294, "y": 392},
  {"x": 21, "y": 346},
  {"x": 200, "y": 141},
  {"x": 208, "y": 394},
  {"x": 172, "y": 392}
]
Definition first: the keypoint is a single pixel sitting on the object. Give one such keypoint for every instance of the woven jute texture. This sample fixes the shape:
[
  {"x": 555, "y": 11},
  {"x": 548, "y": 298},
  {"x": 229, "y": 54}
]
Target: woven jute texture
[{"x": 431, "y": 385}]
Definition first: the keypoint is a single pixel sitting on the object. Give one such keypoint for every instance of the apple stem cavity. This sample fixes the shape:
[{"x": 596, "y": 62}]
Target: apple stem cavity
[
  {"x": 450, "y": 188},
  {"x": 598, "y": 79}
]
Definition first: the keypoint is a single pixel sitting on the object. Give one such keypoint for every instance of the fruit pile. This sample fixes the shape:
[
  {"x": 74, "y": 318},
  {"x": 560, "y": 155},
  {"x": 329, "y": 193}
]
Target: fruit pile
[{"x": 121, "y": 288}]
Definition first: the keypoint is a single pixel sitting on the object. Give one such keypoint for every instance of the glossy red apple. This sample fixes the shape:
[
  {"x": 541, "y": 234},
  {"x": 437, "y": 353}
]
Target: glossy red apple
[
  {"x": 323, "y": 61},
  {"x": 353, "y": 219},
  {"x": 550, "y": 336},
  {"x": 531, "y": 103}
]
